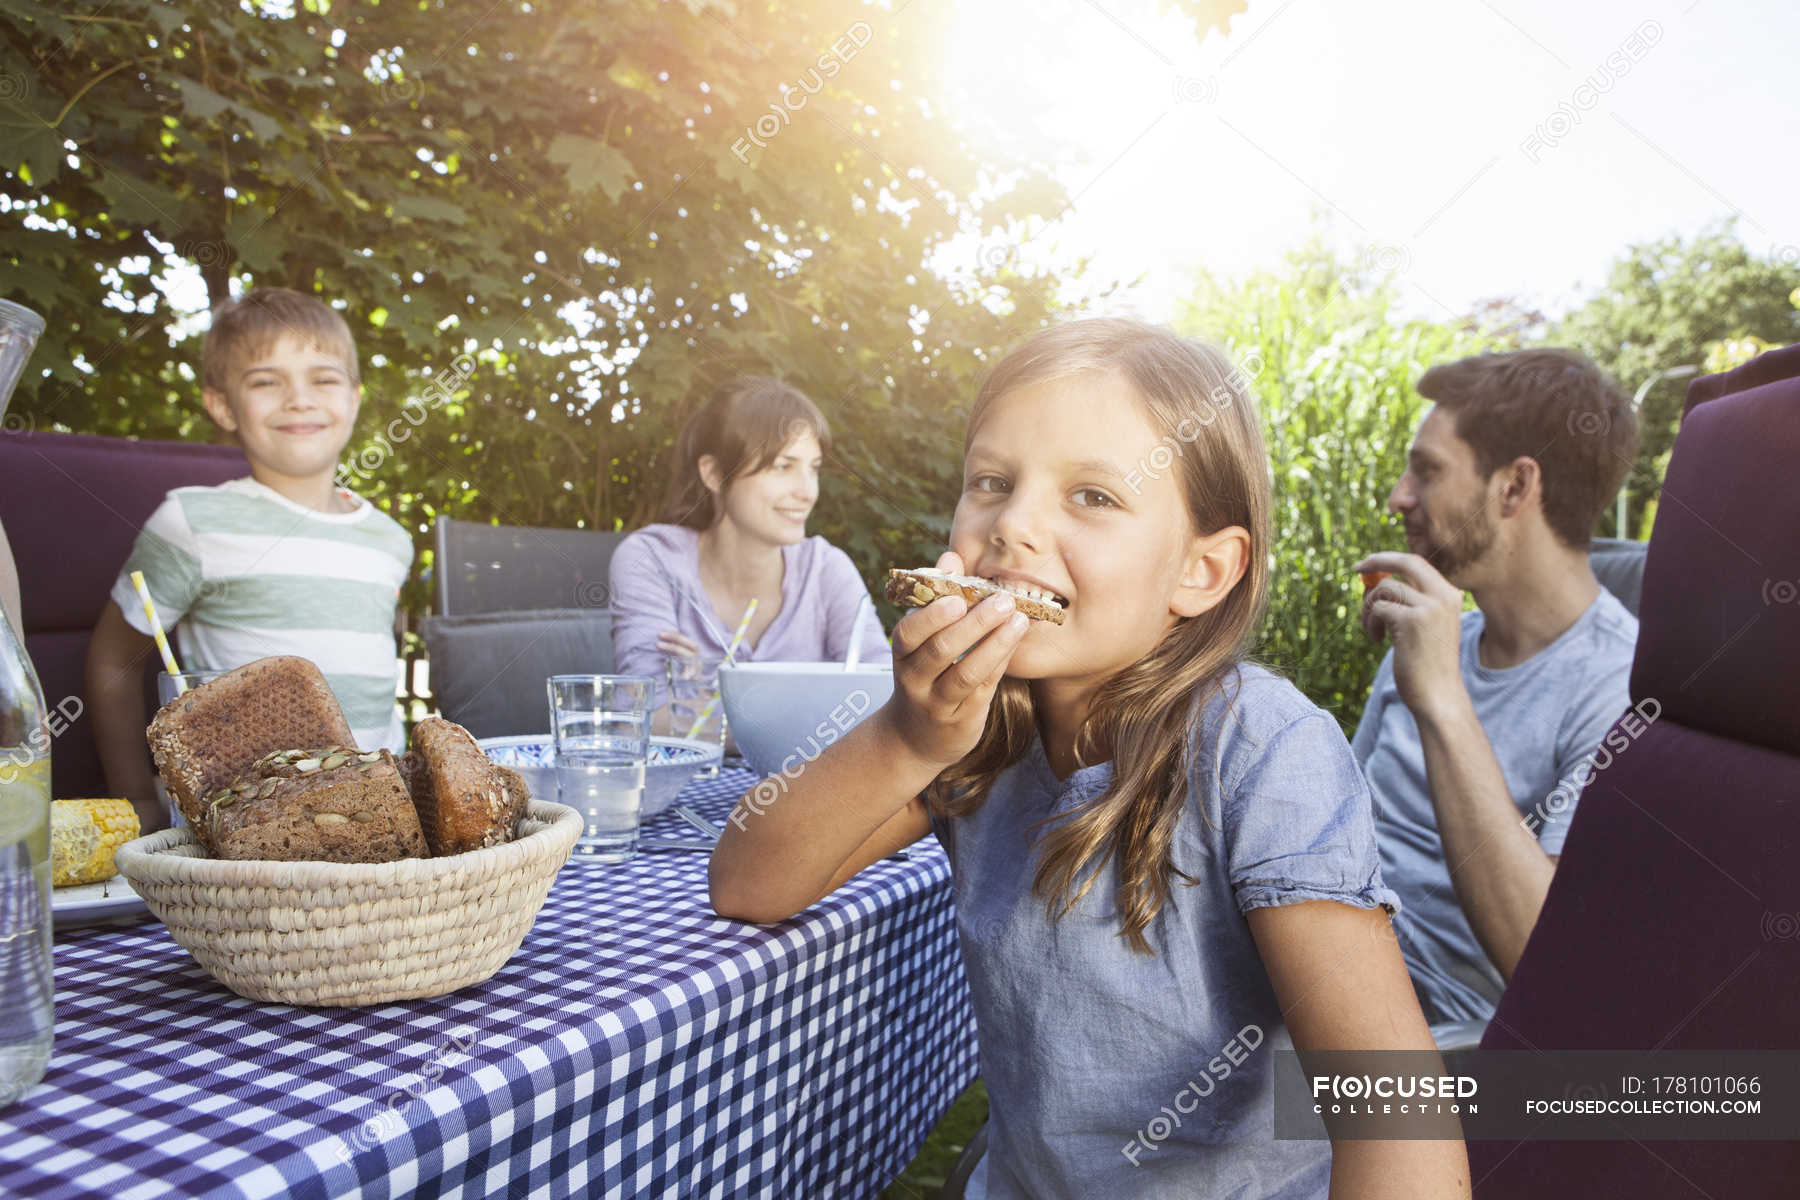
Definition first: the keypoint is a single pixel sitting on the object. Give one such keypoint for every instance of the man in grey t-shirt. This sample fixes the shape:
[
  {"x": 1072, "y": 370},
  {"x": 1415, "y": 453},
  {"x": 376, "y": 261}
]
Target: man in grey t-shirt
[{"x": 1483, "y": 726}]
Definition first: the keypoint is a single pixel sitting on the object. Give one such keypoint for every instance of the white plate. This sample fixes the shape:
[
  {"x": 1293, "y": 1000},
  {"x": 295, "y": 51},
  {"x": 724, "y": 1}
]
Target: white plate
[{"x": 91, "y": 903}]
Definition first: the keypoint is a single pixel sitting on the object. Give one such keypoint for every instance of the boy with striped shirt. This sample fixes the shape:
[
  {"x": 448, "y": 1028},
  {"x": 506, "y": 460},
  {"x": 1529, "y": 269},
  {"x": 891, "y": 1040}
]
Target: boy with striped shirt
[{"x": 282, "y": 562}]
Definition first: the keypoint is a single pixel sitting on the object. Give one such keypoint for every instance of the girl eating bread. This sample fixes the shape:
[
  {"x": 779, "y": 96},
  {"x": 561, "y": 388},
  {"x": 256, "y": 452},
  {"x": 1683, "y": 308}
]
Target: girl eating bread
[{"x": 1162, "y": 854}]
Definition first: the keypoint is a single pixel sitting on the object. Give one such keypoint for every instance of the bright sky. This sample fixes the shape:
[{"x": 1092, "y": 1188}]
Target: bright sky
[{"x": 1453, "y": 139}]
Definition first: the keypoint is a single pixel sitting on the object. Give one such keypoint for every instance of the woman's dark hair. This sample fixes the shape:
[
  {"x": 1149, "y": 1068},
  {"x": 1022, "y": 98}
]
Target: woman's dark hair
[{"x": 744, "y": 428}]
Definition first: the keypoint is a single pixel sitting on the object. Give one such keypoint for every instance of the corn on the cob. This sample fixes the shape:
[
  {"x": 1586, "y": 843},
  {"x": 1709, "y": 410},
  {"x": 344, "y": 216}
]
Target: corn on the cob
[{"x": 83, "y": 836}]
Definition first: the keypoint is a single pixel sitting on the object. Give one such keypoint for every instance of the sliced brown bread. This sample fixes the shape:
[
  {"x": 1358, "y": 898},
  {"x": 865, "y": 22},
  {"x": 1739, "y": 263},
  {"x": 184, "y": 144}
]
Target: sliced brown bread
[
  {"x": 917, "y": 588},
  {"x": 207, "y": 738},
  {"x": 465, "y": 802},
  {"x": 330, "y": 804}
]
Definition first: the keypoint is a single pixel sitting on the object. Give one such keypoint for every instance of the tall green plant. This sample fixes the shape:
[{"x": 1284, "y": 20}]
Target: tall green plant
[{"x": 1333, "y": 366}]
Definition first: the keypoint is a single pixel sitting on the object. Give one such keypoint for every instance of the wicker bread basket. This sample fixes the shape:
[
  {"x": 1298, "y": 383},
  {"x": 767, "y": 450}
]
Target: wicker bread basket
[{"x": 321, "y": 933}]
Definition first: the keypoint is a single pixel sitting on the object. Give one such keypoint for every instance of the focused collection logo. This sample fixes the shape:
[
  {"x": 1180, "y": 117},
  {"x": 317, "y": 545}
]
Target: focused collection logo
[{"x": 1398, "y": 1095}]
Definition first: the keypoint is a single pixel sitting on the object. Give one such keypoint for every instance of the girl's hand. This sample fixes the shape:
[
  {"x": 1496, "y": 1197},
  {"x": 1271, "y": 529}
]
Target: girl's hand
[
  {"x": 670, "y": 641},
  {"x": 948, "y": 659}
]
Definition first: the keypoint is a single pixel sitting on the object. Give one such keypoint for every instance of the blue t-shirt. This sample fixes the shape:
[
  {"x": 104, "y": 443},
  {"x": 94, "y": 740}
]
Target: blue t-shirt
[
  {"x": 1088, "y": 1047},
  {"x": 1544, "y": 718}
]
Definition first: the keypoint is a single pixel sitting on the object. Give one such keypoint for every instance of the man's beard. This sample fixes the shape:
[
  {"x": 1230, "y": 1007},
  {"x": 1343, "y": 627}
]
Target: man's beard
[{"x": 1470, "y": 535}]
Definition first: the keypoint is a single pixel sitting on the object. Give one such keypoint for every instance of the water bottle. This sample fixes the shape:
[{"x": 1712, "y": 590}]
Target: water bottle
[
  {"x": 25, "y": 988},
  {"x": 25, "y": 983}
]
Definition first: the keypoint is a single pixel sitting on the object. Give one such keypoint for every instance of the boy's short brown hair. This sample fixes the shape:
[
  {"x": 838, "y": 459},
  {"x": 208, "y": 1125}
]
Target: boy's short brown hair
[
  {"x": 247, "y": 328},
  {"x": 1552, "y": 405}
]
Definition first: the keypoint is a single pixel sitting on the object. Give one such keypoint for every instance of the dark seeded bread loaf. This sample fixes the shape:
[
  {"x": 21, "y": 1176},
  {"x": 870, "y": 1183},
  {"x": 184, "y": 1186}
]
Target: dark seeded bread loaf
[
  {"x": 326, "y": 805},
  {"x": 465, "y": 802},
  {"x": 207, "y": 738}
]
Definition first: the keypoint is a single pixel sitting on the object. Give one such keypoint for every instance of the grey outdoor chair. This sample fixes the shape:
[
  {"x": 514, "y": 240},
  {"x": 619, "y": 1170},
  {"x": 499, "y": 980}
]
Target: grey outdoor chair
[
  {"x": 958, "y": 1182},
  {"x": 1619, "y": 565},
  {"x": 505, "y": 568},
  {"x": 515, "y": 605}
]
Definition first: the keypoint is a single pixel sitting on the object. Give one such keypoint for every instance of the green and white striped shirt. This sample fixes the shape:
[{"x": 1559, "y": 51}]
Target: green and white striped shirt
[{"x": 248, "y": 573}]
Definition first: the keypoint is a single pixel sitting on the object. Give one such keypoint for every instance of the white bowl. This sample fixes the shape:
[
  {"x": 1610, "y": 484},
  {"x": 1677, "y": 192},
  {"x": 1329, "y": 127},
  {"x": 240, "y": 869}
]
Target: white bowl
[
  {"x": 672, "y": 763},
  {"x": 783, "y": 714}
]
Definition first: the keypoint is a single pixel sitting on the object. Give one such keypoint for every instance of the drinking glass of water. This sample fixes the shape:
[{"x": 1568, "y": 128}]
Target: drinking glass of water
[{"x": 601, "y": 724}]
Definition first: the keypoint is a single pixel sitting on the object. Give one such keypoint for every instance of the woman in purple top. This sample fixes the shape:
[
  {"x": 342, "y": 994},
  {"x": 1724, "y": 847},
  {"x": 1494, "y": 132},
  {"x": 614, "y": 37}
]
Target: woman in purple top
[{"x": 732, "y": 530}]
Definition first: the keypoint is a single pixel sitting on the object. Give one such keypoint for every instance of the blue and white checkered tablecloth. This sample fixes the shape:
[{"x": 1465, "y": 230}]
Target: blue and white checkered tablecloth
[{"x": 636, "y": 1045}]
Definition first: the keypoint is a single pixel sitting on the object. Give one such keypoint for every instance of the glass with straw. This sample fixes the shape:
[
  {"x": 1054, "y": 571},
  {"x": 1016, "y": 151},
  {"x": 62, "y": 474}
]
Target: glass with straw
[
  {"x": 695, "y": 710},
  {"x": 171, "y": 682}
]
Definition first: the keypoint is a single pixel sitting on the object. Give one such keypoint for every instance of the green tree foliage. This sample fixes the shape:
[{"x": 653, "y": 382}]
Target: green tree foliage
[
  {"x": 609, "y": 207},
  {"x": 1333, "y": 367},
  {"x": 1664, "y": 303}
]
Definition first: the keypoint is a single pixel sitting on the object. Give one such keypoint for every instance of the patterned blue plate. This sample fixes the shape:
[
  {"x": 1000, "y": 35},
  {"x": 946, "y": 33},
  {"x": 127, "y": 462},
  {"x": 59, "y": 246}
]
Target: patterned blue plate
[{"x": 671, "y": 763}]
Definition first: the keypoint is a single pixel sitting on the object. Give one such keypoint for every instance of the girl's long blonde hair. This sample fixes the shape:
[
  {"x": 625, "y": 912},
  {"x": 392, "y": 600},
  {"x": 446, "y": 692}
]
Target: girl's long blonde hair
[{"x": 1201, "y": 405}]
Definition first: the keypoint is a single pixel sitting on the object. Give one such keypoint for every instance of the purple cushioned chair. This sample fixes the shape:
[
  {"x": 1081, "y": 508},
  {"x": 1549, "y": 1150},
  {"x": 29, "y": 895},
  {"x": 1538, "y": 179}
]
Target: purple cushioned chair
[
  {"x": 1670, "y": 923},
  {"x": 72, "y": 506}
]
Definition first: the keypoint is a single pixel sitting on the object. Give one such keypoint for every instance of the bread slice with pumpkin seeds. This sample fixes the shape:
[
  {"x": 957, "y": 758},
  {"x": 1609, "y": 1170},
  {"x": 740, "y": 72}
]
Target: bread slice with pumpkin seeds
[
  {"x": 207, "y": 738},
  {"x": 331, "y": 804}
]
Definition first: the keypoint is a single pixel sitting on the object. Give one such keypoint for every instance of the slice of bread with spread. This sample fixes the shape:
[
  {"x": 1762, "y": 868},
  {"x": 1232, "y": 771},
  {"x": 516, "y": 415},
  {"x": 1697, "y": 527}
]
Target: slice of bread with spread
[{"x": 917, "y": 588}]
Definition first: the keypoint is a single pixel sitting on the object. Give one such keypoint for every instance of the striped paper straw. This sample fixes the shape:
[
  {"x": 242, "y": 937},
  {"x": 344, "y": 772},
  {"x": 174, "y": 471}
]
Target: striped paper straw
[
  {"x": 156, "y": 631},
  {"x": 743, "y": 626}
]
